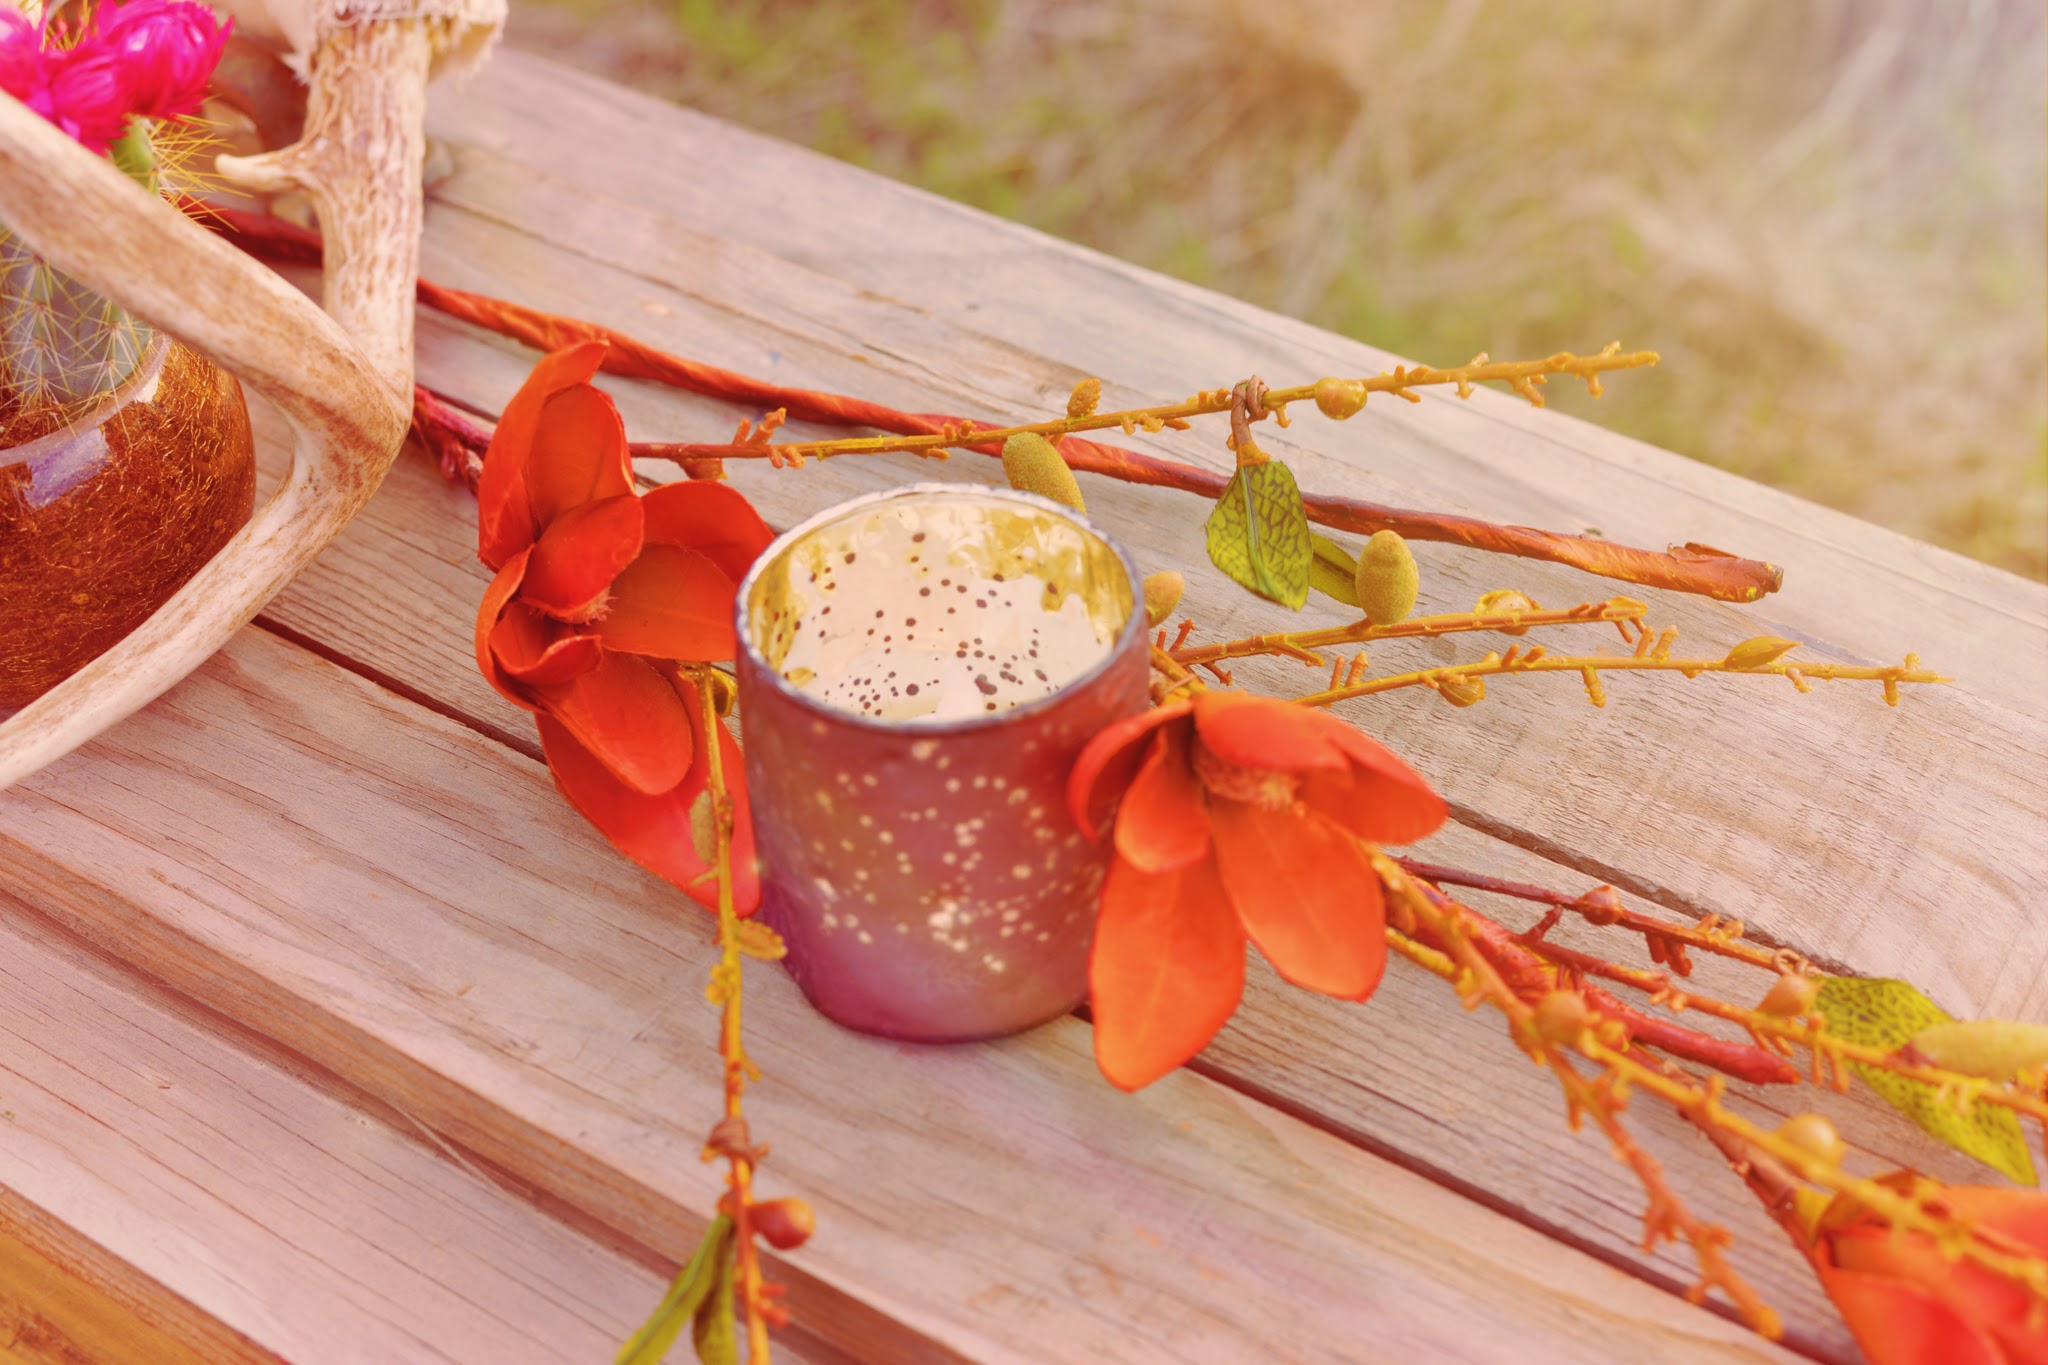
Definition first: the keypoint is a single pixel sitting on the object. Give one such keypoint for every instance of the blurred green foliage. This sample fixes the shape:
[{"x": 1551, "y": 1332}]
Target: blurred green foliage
[{"x": 1829, "y": 216}]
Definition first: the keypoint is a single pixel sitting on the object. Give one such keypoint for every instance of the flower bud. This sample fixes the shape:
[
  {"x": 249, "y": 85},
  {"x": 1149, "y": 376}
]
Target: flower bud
[
  {"x": 1461, "y": 689},
  {"x": 1791, "y": 998},
  {"x": 1340, "y": 398},
  {"x": 1033, "y": 465},
  {"x": 1815, "y": 1136},
  {"x": 1602, "y": 905},
  {"x": 1387, "y": 580},
  {"x": 1162, "y": 595},
  {"x": 1502, "y": 600},
  {"x": 1081, "y": 402},
  {"x": 1997, "y": 1049},
  {"x": 784, "y": 1224},
  {"x": 1561, "y": 1017}
]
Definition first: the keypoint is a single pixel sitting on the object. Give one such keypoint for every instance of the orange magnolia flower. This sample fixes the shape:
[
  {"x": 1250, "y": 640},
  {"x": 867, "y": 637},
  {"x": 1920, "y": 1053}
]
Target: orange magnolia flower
[
  {"x": 599, "y": 593},
  {"x": 1908, "y": 1304},
  {"x": 1239, "y": 818}
]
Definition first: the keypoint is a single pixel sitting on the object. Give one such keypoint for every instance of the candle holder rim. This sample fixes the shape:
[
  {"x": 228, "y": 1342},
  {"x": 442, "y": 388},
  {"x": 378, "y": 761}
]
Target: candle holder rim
[
  {"x": 113, "y": 400},
  {"x": 771, "y": 677}
]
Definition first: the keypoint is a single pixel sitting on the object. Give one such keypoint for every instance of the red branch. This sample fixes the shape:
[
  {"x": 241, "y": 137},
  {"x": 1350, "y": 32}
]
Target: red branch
[
  {"x": 1531, "y": 978},
  {"x": 1686, "y": 568}
]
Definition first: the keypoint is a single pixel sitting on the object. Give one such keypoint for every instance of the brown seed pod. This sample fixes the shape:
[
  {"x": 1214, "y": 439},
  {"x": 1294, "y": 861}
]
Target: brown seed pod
[
  {"x": 784, "y": 1224},
  {"x": 1602, "y": 905}
]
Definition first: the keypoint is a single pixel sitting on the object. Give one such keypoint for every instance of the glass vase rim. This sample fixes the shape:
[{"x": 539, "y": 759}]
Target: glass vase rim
[
  {"x": 749, "y": 653},
  {"x": 146, "y": 371}
]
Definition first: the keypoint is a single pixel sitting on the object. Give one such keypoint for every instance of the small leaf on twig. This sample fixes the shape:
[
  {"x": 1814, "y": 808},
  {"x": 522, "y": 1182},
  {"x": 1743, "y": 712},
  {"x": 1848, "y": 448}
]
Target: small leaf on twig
[
  {"x": 715, "y": 1332},
  {"x": 1259, "y": 534},
  {"x": 704, "y": 828},
  {"x": 1886, "y": 1014},
  {"x": 1332, "y": 569},
  {"x": 685, "y": 1296},
  {"x": 1755, "y": 653}
]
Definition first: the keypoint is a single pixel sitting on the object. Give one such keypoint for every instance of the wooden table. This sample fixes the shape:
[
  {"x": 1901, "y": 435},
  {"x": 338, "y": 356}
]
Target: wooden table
[{"x": 332, "y": 1034}]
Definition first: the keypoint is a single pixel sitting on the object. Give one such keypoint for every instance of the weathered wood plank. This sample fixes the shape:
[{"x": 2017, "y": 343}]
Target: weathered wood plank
[
  {"x": 63, "y": 1301},
  {"x": 250, "y": 1205},
  {"x": 756, "y": 313},
  {"x": 293, "y": 843},
  {"x": 1791, "y": 812},
  {"x": 1393, "y": 1093}
]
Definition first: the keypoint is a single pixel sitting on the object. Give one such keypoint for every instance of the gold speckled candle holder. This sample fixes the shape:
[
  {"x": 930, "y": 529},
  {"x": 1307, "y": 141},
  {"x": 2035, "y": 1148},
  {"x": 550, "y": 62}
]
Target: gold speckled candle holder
[{"x": 918, "y": 670}]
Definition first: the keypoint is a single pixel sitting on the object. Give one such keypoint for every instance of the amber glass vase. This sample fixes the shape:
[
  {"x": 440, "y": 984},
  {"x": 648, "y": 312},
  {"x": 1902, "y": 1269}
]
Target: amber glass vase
[{"x": 126, "y": 462}]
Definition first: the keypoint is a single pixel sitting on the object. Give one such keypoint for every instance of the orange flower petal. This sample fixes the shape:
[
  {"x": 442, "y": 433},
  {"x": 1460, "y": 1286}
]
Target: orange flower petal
[
  {"x": 714, "y": 519},
  {"x": 654, "y": 831},
  {"x": 541, "y": 652},
  {"x": 1897, "y": 1323},
  {"x": 1166, "y": 971},
  {"x": 1977, "y": 1295},
  {"x": 1306, "y": 895},
  {"x": 1109, "y": 762},
  {"x": 579, "y": 454},
  {"x": 505, "y": 521},
  {"x": 1162, "y": 823},
  {"x": 578, "y": 556},
  {"x": 496, "y": 598},
  {"x": 630, "y": 718},
  {"x": 1260, "y": 732},
  {"x": 671, "y": 603},
  {"x": 1385, "y": 800}
]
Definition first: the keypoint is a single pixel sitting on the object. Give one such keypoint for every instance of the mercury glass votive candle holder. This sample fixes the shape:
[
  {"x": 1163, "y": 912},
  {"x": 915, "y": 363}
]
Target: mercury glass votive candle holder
[{"x": 918, "y": 670}]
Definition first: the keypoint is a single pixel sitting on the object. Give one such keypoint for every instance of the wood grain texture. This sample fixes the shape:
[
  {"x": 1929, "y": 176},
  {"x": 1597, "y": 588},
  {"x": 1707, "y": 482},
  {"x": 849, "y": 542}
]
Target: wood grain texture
[
  {"x": 497, "y": 227},
  {"x": 63, "y": 1301},
  {"x": 303, "y": 849},
  {"x": 200, "y": 1182},
  {"x": 1825, "y": 820},
  {"x": 291, "y": 842}
]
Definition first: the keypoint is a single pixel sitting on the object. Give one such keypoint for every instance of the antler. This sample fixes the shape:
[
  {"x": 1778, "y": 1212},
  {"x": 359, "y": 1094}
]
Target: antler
[{"x": 347, "y": 402}]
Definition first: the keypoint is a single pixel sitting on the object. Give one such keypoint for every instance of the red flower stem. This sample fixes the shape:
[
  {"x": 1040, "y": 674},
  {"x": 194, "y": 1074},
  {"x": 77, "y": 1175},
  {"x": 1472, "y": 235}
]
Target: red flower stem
[
  {"x": 1531, "y": 978},
  {"x": 1690, "y": 569},
  {"x": 1726, "y": 941},
  {"x": 456, "y": 443}
]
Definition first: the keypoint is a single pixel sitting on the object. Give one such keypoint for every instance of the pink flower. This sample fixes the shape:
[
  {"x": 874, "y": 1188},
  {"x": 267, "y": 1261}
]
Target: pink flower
[
  {"x": 84, "y": 93},
  {"x": 166, "y": 51},
  {"x": 21, "y": 55},
  {"x": 148, "y": 59}
]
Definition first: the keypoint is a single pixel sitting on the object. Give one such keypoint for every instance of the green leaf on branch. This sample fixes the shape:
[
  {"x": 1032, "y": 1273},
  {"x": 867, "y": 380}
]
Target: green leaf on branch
[
  {"x": 1333, "y": 571},
  {"x": 692, "y": 1287},
  {"x": 1887, "y": 1014},
  {"x": 1259, "y": 534},
  {"x": 716, "y": 1333}
]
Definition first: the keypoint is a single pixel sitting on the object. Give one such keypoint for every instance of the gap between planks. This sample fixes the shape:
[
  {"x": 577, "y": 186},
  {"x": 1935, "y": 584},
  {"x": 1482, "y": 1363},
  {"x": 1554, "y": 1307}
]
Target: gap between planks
[{"x": 447, "y": 997}]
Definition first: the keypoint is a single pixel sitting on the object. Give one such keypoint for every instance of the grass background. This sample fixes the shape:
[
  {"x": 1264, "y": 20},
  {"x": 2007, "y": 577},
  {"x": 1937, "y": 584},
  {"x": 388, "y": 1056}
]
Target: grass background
[{"x": 1831, "y": 216}]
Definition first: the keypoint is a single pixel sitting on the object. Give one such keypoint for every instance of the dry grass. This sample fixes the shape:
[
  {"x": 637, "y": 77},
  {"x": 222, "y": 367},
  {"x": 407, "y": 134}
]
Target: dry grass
[{"x": 1829, "y": 216}]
